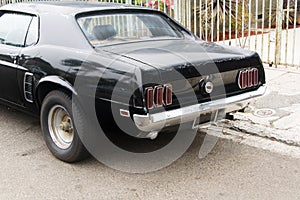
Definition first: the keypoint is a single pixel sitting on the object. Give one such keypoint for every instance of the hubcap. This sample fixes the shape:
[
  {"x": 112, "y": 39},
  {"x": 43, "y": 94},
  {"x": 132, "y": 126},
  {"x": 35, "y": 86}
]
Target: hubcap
[{"x": 60, "y": 127}]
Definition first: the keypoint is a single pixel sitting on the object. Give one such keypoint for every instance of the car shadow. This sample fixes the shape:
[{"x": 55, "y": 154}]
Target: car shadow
[{"x": 30, "y": 126}]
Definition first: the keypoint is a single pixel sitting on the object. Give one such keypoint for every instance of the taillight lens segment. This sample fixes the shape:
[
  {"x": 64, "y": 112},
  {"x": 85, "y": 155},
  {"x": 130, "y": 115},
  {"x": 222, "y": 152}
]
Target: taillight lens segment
[
  {"x": 150, "y": 97},
  {"x": 248, "y": 78},
  {"x": 168, "y": 94},
  {"x": 158, "y": 96},
  {"x": 255, "y": 77}
]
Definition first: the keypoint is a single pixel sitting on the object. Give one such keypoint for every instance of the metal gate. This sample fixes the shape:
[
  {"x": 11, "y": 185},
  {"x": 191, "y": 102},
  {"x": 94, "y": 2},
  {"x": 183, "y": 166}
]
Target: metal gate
[{"x": 270, "y": 27}]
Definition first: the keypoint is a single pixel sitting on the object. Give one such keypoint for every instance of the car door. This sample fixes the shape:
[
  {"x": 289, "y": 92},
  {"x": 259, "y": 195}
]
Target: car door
[{"x": 13, "y": 31}]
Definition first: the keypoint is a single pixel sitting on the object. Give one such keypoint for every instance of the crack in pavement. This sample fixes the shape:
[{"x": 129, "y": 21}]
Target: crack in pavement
[
  {"x": 31, "y": 151},
  {"x": 267, "y": 137},
  {"x": 33, "y": 126},
  {"x": 263, "y": 133}
]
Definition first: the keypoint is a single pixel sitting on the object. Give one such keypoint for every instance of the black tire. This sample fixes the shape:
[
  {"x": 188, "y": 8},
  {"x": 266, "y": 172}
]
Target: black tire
[{"x": 74, "y": 150}]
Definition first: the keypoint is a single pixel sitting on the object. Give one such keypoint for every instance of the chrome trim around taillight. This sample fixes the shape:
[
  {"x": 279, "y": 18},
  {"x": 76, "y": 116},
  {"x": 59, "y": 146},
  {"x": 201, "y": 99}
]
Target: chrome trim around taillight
[
  {"x": 248, "y": 78},
  {"x": 158, "y": 96}
]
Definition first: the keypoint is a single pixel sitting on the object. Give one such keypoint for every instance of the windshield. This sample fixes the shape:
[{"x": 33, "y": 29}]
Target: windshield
[{"x": 127, "y": 27}]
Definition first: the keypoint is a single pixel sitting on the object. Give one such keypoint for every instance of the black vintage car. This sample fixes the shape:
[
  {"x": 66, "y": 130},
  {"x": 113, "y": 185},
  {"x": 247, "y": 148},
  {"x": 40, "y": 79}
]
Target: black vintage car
[{"x": 142, "y": 70}]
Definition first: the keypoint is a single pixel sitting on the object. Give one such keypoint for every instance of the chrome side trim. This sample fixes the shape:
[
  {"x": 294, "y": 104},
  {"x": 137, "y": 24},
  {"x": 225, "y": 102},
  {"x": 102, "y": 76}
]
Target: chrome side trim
[
  {"x": 154, "y": 122},
  {"x": 12, "y": 65}
]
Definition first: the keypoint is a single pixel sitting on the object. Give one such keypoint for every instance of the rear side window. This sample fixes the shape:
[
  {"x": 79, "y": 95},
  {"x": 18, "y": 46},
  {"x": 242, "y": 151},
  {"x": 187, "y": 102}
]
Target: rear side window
[
  {"x": 33, "y": 32},
  {"x": 14, "y": 28}
]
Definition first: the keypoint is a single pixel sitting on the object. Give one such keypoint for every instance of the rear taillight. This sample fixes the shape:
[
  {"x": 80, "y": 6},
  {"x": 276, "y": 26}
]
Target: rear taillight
[
  {"x": 248, "y": 78},
  {"x": 158, "y": 96}
]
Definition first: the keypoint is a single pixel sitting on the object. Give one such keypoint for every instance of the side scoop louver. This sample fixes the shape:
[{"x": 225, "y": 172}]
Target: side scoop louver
[{"x": 28, "y": 87}]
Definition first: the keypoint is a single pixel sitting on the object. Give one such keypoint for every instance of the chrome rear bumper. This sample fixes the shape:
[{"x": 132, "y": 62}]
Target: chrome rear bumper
[{"x": 155, "y": 122}]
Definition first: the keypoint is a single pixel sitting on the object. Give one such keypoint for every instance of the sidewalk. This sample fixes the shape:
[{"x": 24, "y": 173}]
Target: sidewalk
[{"x": 276, "y": 115}]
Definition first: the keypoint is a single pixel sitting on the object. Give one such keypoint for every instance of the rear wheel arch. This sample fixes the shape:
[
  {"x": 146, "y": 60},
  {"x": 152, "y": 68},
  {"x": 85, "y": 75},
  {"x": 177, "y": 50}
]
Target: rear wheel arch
[{"x": 51, "y": 83}]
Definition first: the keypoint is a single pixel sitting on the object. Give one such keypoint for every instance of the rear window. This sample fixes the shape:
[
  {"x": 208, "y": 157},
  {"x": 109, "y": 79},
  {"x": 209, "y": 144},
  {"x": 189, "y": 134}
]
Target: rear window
[{"x": 126, "y": 27}]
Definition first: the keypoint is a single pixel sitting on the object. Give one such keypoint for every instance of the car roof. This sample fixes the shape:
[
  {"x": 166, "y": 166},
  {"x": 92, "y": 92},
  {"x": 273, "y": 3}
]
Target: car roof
[{"x": 64, "y": 7}]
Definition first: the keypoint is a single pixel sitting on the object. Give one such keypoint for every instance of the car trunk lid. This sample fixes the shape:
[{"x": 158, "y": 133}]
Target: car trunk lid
[{"x": 185, "y": 63}]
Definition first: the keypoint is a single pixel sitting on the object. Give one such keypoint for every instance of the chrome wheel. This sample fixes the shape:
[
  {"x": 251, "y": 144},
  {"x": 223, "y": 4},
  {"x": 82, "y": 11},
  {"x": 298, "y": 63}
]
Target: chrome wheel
[{"x": 60, "y": 127}]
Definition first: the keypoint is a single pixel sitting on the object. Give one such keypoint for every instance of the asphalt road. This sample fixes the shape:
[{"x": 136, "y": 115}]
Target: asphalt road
[{"x": 230, "y": 171}]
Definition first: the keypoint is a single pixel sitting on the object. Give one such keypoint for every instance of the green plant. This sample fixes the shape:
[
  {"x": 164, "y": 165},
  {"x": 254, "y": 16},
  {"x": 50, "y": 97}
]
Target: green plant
[
  {"x": 163, "y": 5},
  {"x": 215, "y": 10},
  {"x": 288, "y": 6}
]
